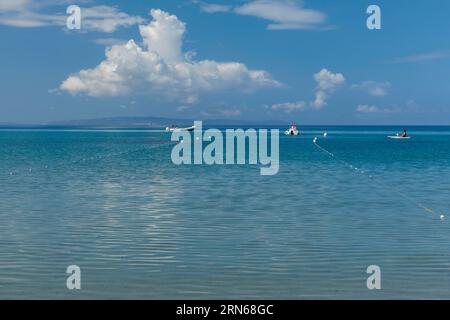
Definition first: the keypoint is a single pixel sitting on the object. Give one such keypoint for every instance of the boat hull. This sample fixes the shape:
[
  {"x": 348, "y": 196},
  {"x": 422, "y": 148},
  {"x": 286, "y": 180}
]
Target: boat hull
[
  {"x": 180, "y": 129},
  {"x": 398, "y": 137}
]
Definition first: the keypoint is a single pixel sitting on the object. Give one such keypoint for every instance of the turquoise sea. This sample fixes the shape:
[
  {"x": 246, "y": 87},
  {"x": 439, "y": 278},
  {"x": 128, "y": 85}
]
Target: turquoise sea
[{"x": 113, "y": 203}]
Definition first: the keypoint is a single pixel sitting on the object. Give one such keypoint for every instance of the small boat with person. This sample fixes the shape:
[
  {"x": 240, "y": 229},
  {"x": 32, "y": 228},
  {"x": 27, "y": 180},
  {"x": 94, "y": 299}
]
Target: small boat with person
[
  {"x": 401, "y": 136},
  {"x": 292, "y": 131}
]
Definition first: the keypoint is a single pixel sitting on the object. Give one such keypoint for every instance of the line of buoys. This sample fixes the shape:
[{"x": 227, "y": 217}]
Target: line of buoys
[
  {"x": 406, "y": 197},
  {"x": 15, "y": 172}
]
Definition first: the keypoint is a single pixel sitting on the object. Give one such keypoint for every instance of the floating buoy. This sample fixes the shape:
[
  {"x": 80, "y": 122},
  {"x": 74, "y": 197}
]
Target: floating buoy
[
  {"x": 403, "y": 195},
  {"x": 325, "y": 134}
]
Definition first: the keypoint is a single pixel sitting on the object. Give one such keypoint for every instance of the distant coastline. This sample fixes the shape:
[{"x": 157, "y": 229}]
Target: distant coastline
[
  {"x": 139, "y": 123},
  {"x": 161, "y": 122}
]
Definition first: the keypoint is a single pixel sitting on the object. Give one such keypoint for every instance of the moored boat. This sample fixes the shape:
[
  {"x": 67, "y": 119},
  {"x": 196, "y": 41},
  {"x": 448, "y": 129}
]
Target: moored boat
[
  {"x": 292, "y": 131},
  {"x": 174, "y": 128}
]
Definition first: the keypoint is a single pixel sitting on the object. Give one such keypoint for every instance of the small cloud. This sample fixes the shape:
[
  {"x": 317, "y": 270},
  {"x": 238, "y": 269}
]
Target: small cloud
[
  {"x": 435, "y": 55},
  {"x": 214, "y": 8},
  {"x": 216, "y": 113},
  {"x": 364, "y": 108},
  {"x": 29, "y": 14},
  {"x": 106, "y": 19},
  {"x": 290, "y": 106},
  {"x": 373, "y": 88},
  {"x": 327, "y": 83},
  {"x": 283, "y": 14}
]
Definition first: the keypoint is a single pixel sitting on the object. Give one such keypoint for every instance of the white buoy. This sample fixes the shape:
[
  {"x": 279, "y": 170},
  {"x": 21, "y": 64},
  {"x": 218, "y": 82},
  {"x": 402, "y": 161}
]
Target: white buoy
[
  {"x": 315, "y": 139},
  {"x": 325, "y": 134},
  {"x": 442, "y": 217}
]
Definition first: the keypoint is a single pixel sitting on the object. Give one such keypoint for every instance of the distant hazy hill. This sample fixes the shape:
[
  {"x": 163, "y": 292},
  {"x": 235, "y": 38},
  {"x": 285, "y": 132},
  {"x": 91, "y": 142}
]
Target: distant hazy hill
[
  {"x": 135, "y": 122},
  {"x": 153, "y": 122}
]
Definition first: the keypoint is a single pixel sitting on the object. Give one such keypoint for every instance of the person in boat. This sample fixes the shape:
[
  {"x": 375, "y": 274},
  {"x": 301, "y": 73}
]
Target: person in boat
[{"x": 404, "y": 134}]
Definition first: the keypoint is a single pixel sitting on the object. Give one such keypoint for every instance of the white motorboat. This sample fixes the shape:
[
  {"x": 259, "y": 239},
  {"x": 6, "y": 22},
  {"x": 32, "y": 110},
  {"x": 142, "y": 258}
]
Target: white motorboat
[
  {"x": 292, "y": 131},
  {"x": 399, "y": 137},
  {"x": 403, "y": 135},
  {"x": 176, "y": 129}
]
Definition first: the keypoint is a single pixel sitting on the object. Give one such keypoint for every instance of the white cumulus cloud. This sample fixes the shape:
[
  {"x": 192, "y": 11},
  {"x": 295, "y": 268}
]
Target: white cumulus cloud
[
  {"x": 327, "y": 82},
  {"x": 160, "y": 68}
]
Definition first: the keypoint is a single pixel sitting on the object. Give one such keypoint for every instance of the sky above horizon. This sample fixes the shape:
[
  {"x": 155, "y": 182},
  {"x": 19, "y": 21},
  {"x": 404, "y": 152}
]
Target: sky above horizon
[{"x": 312, "y": 62}]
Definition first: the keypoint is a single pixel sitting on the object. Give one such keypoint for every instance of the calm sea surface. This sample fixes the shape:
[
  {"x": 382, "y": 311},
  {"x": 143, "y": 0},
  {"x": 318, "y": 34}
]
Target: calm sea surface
[{"x": 138, "y": 226}]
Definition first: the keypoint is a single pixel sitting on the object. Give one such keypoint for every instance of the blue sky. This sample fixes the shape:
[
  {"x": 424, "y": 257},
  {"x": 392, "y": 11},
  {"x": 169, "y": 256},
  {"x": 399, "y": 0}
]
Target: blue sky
[{"x": 313, "y": 62}]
